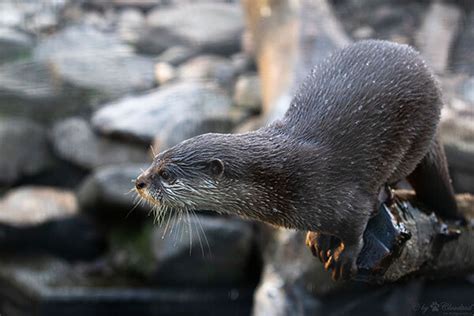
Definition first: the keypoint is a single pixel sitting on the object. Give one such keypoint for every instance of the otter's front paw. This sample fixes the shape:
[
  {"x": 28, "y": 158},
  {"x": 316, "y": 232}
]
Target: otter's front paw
[
  {"x": 322, "y": 245},
  {"x": 342, "y": 263}
]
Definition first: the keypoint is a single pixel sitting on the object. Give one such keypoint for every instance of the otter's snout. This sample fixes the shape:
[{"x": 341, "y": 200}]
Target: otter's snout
[{"x": 143, "y": 181}]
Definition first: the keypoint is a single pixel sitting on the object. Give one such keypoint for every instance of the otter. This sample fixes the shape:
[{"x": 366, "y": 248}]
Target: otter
[{"x": 365, "y": 117}]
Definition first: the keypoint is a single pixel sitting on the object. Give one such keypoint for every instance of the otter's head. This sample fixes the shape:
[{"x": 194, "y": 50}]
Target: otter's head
[{"x": 239, "y": 174}]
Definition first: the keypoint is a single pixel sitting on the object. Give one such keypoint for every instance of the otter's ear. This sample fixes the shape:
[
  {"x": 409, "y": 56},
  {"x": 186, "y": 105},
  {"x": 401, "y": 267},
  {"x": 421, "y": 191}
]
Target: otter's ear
[{"x": 216, "y": 166}]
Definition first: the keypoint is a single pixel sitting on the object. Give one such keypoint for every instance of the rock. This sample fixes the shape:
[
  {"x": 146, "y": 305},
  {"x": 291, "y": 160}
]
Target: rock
[
  {"x": 247, "y": 93},
  {"x": 54, "y": 238},
  {"x": 166, "y": 28},
  {"x": 130, "y": 24},
  {"x": 48, "y": 286},
  {"x": 175, "y": 55},
  {"x": 164, "y": 73},
  {"x": 208, "y": 67},
  {"x": 467, "y": 92},
  {"x": 123, "y": 4},
  {"x": 145, "y": 116},
  {"x": 183, "y": 128},
  {"x": 32, "y": 89},
  {"x": 243, "y": 62},
  {"x": 24, "y": 149},
  {"x": 437, "y": 33},
  {"x": 457, "y": 135},
  {"x": 363, "y": 32},
  {"x": 217, "y": 252},
  {"x": 109, "y": 194},
  {"x": 35, "y": 205},
  {"x": 292, "y": 278},
  {"x": 390, "y": 20},
  {"x": 42, "y": 220},
  {"x": 77, "y": 52},
  {"x": 14, "y": 44},
  {"x": 73, "y": 140},
  {"x": 462, "y": 57},
  {"x": 463, "y": 181},
  {"x": 31, "y": 16}
]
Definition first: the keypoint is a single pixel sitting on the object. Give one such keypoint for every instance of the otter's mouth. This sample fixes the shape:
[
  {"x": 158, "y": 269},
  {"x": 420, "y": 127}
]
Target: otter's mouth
[{"x": 148, "y": 197}]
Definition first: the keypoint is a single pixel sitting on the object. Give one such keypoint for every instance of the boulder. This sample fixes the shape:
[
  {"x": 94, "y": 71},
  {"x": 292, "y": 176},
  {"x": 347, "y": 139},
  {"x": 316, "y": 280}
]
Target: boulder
[
  {"x": 247, "y": 93},
  {"x": 130, "y": 25},
  {"x": 176, "y": 55},
  {"x": 32, "y": 89},
  {"x": 145, "y": 116},
  {"x": 202, "y": 250},
  {"x": 74, "y": 140},
  {"x": 462, "y": 59},
  {"x": 209, "y": 68},
  {"x": 79, "y": 51},
  {"x": 164, "y": 73},
  {"x": 437, "y": 34},
  {"x": 194, "y": 25},
  {"x": 35, "y": 205},
  {"x": 37, "y": 220},
  {"x": 31, "y": 16},
  {"x": 24, "y": 147},
  {"x": 108, "y": 193},
  {"x": 14, "y": 44}
]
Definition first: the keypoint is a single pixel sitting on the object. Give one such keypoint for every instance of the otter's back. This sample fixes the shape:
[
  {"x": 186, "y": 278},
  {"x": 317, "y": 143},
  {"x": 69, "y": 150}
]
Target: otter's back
[{"x": 370, "y": 100}]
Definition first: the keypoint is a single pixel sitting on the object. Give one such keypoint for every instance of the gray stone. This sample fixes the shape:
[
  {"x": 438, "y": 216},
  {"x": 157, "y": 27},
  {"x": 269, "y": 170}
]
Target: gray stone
[
  {"x": 292, "y": 278},
  {"x": 463, "y": 181},
  {"x": 208, "y": 27},
  {"x": 457, "y": 135},
  {"x": 462, "y": 57},
  {"x": 24, "y": 149},
  {"x": 38, "y": 219},
  {"x": 96, "y": 60},
  {"x": 31, "y": 16},
  {"x": 247, "y": 93},
  {"x": 130, "y": 25},
  {"x": 14, "y": 44},
  {"x": 31, "y": 205},
  {"x": 164, "y": 73},
  {"x": 437, "y": 34},
  {"x": 145, "y": 116},
  {"x": 467, "y": 91},
  {"x": 110, "y": 191},
  {"x": 203, "y": 250},
  {"x": 175, "y": 55},
  {"x": 74, "y": 140},
  {"x": 186, "y": 127},
  {"x": 35, "y": 90},
  {"x": 48, "y": 286},
  {"x": 209, "y": 68}
]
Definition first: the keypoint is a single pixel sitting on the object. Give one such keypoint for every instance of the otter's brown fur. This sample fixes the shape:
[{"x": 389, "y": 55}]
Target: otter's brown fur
[{"x": 366, "y": 116}]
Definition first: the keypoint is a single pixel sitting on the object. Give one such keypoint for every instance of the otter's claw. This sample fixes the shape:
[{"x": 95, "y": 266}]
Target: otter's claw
[
  {"x": 342, "y": 263},
  {"x": 322, "y": 245},
  {"x": 332, "y": 254}
]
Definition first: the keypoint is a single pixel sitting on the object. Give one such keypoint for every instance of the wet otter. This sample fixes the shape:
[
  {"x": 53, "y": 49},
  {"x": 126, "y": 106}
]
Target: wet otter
[{"x": 365, "y": 117}]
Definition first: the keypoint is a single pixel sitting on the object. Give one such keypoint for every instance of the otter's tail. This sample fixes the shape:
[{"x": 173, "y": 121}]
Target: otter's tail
[{"x": 432, "y": 183}]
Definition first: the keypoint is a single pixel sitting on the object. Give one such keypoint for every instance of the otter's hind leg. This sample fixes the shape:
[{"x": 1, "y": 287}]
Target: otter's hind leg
[{"x": 432, "y": 183}]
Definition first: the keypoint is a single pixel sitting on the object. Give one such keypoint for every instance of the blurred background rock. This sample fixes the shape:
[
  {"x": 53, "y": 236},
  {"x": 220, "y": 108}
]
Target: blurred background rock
[{"x": 86, "y": 87}]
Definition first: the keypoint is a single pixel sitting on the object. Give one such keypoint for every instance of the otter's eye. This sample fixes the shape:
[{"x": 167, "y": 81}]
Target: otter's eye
[{"x": 165, "y": 175}]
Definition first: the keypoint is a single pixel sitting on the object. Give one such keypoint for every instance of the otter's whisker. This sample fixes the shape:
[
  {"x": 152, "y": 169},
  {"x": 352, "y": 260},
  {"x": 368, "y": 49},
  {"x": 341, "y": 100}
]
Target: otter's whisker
[
  {"x": 136, "y": 203},
  {"x": 203, "y": 233},
  {"x": 153, "y": 151},
  {"x": 167, "y": 224},
  {"x": 190, "y": 231}
]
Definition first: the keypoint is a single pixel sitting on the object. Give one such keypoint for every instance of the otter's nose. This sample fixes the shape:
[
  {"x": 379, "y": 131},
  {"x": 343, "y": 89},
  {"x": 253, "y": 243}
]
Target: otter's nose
[{"x": 141, "y": 182}]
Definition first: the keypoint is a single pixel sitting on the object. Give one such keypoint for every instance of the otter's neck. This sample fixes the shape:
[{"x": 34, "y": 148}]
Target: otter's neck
[{"x": 268, "y": 177}]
